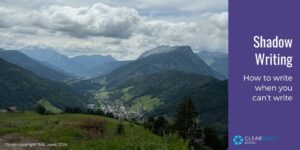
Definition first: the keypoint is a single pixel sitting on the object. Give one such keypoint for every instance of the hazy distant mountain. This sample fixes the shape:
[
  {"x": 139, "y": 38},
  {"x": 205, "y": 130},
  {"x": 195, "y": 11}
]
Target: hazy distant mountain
[
  {"x": 160, "y": 59},
  {"x": 218, "y": 61},
  {"x": 51, "y": 57},
  {"x": 79, "y": 65},
  {"x": 34, "y": 66},
  {"x": 21, "y": 88},
  {"x": 91, "y": 61},
  {"x": 106, "y": 68}
]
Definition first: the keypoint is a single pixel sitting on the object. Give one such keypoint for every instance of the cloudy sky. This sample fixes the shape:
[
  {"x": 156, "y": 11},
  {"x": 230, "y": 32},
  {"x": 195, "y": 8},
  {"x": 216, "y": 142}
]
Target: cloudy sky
[{"x": 121, "y": 28}]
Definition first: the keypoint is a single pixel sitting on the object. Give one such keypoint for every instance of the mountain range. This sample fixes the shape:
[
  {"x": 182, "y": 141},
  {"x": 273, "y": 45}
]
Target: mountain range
[
  {"x": 106, "y": 68},
  {"x": 160, "y": 59},
  {"x": 97, "y": 65},
  {"x": 153, "y": 84},
  {"x": 156, "y": 82},
  {"x": 79, "y": 65},
  {"x": 39, "y": 69}
]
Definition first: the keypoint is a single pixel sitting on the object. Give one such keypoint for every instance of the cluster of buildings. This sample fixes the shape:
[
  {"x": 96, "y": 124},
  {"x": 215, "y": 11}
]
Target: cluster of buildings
[
  {"x": 9, "y": 109},
  {"x": 118, "y": 109}
]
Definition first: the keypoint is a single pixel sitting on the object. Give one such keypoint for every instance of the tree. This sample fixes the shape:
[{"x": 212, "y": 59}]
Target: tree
[
  {"x": 120, "y": 128},
  {"x": 90, "y": 111},
  {"x": 151, "y": 119},
  {"x": 160, "y": 125},
  {"x": 225, "y": 141},
  {"x": 149, "y": 124},
  {"x": 68, "y": 110},
  {"x": 185, "y": 116},
  {"x": 211, "y": 138},
  {"x": 40, "y": 109},
  {"x": 99, "y": 112},
  {"x": 110, "y": 115},
  {"x": 73, "y": 110},
  {"x": 77, "y": 110}
]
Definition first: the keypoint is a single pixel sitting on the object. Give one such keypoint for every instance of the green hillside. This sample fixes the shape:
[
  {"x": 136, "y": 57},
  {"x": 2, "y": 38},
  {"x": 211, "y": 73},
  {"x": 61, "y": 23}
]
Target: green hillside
[
  {"x": 71, "y": 130},
  {"x": 160, "y": 94},
  {"x": 49, "y": 107},
  {"x": 21, "y": 88}
]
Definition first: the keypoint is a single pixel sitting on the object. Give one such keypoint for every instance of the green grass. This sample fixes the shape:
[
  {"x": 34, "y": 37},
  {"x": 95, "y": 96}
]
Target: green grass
[
  {"x": 64, "y": 128},
  {"x": 126, "y": 94},
  {"x": 147, "y": 101},
  {"x": 102, "y": 94},
  {"x": 49, "y": 107}
]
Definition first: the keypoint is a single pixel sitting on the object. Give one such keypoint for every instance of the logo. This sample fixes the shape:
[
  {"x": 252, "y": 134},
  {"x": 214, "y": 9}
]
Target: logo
[
  {"x": 252, "y": 139},
  {"x": 238, "y": 140}
]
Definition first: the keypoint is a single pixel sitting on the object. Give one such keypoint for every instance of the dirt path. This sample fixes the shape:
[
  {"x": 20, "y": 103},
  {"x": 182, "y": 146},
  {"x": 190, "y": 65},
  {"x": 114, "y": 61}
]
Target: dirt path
[{"x": 17, "y": 141}]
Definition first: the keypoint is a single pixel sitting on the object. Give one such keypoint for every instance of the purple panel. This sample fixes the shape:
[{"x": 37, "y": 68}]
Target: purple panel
[{"x": 277, "y": 123}]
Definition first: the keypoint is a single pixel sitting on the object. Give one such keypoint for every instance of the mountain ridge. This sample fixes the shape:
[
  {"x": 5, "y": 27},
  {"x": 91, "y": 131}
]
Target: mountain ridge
[
  {"x": 21, "y": 88},
  {"x": 78, "y": 65},
  {"x": 179, "y": 58},
  {"x": 32, "y": 65}
]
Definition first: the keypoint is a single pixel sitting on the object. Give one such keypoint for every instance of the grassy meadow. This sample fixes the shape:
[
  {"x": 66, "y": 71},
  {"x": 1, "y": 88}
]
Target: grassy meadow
[{"x": 76, "y": 131}]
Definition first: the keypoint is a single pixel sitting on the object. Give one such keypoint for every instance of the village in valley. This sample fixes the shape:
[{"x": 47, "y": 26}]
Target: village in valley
[{"x": 11, "y": 109}]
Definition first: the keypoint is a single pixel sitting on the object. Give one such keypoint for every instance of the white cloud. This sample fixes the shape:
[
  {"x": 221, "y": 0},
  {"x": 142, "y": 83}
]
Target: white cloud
[
  {"x": 156, "y": 5},
  {"x": 189, "y": 6},
  {"x": 98, "y": 20},
  {"x": 104, "y": 29}
]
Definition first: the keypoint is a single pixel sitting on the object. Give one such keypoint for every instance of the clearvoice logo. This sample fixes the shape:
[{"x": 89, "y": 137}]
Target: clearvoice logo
[{"x": 239, "y": 139}]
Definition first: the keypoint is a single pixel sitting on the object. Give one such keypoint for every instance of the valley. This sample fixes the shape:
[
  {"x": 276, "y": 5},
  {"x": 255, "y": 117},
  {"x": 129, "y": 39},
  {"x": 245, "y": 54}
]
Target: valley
[{"x": 152, "y": 86}]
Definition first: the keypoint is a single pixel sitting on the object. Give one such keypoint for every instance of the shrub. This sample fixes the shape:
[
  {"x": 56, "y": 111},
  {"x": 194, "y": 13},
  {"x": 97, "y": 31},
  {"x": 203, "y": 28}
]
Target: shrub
[
  {"x": 95, "y": 125},
  {"x": 160, "y": 125},
  {"x": 40, "y": 109},
  {"x": 75, "y": 110},
  {"x": 120, "y": 128}
]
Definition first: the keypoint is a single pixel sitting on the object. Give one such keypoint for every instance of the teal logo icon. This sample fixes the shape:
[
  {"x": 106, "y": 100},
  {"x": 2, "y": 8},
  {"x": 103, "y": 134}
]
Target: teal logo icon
[{"x": 238, "y": 140}]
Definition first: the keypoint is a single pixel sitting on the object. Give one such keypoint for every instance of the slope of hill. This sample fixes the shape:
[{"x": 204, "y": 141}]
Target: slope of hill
[
  {"x": 49, "y": 107},
  {"x": 161, "y": 59},
  {"x": 221, "y": 65},
  {"x": 79, "y": 65},
  {"x": 21, "y": 88},
  {"x": 71, "y": 131},
  {"x": 34, "y": 66},
  {"x": 216, "y": 60}
]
